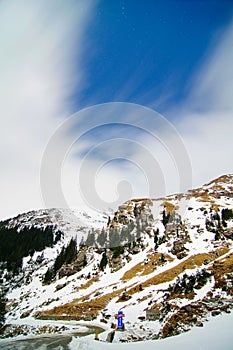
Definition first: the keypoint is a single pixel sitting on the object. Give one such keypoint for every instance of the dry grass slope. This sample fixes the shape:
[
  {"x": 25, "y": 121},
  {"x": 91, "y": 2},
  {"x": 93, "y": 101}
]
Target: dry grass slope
[
  {"x": 89, "y": 282},
  {"x": 169, "y": 206},
  {"x": 143, "y": 269},
  {"x": 189, "y": 263},
  {"x": 85, "y": 308},
  {"x": 80, "y": 309}
]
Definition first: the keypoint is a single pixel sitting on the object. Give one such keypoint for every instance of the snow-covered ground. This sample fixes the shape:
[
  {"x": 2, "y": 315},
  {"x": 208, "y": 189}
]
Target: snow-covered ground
[
  {"x": 215, "y": 335},
  {"x": 26, "y": 298}
]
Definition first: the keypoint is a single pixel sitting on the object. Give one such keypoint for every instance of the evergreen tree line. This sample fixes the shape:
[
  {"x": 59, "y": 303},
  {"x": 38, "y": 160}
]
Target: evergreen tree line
[
  {"x": 165, "y": 217},
  {"x": 227, "y": 214},
  {"x": 111, "y": 238},
  {"x": 116, "y": 240},
  {"x": 2, "y": 309},
  {"x": 17, "y": 244},
  {"x": 103, "y": 261},
  {"x": 172, "y": 217},
  {"x": 66, "y": 256},
  {"x": 116, "y": 252},
  {"x": 158, "y": 240},
  {"x": 186, "y": 284}
]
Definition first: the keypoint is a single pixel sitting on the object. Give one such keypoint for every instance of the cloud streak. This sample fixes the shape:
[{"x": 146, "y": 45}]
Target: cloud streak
[
  {"x": 42, "y": 49},
  {"x": 205, "y": 118},
  {"x": 212, "y": 86},
  {"x": 155, "y": 165},
  {"x": 42, "y": 44},
  {"x": 204, "y": 121}
]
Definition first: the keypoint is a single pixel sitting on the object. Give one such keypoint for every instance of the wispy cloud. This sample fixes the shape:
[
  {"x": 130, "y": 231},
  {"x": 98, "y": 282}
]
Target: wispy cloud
[
  {"x": 212, "y": 85},
  {"x": 204, "y": 122},
  {"x": 205, "y": 118},
  {"x": 115, "y": 145},
  {"x": 41, "y": 46}
]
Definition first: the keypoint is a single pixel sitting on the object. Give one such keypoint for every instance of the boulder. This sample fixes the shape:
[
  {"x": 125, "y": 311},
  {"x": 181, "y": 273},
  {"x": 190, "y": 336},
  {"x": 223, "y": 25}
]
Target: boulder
[
  {"x": 179, "y": 250},
  {"x": 215, "y": 312},
  {"x": 110, "y": 337},
  {"x": 141, "y": 318}
]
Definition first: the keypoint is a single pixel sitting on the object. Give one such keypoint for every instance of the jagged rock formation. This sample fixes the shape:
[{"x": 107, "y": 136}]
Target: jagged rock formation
[{"x": 170, "y": 256}]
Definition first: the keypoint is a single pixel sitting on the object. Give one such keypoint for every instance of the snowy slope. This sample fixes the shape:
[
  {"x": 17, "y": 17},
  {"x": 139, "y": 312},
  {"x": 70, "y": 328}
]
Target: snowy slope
[{"x": 177, "y": 262}]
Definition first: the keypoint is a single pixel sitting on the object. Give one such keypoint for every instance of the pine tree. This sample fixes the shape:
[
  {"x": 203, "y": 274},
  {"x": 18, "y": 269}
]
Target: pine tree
[
  {"x": 103, "y": 261},
  {"x": 90, "y": 239},
  {"x": 60, "y": 259},
  {"x": 2, "y": 310},
  {"x": 102, "y": 238},
  {"x": 131, "y": 226},
  {"x": 156, "y": 233},
  {"x": 85, "y": 261},
  {"x": 117, "y": 251},
  {"x": 82, "y": 243},
  {"x": 138, "y": 229},
  {"x": 227, "y": 214},
  {"x": 224, "y": 223},
  {"x": 166, "y": 217},
  {"x": 114, "y": 238},
  {"x": 123, "y": 235},
  {"x": 163, "y": 260},
  {"x": 49, "y": 275},
  {"x": 71, "y": 251}
]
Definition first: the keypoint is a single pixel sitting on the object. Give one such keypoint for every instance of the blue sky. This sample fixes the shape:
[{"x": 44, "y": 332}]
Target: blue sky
[
  {"x": 162, "y": 71},
  {"x": 146, "y": 52}
]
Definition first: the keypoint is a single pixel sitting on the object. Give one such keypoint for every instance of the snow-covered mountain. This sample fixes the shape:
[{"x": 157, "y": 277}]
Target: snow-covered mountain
[{"x": 167, "y": 263}]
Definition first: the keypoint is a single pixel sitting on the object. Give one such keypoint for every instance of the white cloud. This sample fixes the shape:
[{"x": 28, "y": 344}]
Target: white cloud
[
  {"x": 205, "y": 120},
  {"x": 41, "y": 45},
  {"x": 142, "y": 155},
  {"x": 212, "y": 86},
  {"x": 208, "y": 139},
  {"x": 205, "y": 123}
]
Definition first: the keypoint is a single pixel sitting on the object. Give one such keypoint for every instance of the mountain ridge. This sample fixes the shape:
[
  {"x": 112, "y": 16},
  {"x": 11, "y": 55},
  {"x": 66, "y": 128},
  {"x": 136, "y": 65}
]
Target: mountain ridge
[{"x": 167, "y": 258}]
